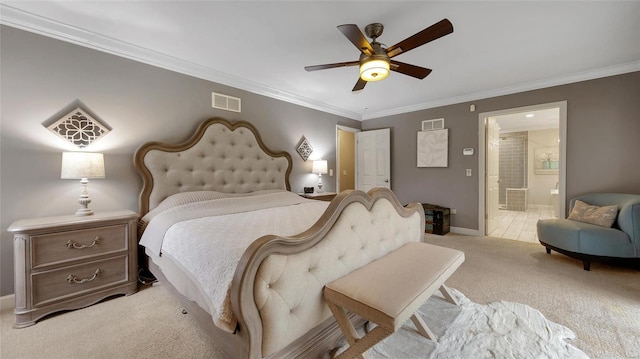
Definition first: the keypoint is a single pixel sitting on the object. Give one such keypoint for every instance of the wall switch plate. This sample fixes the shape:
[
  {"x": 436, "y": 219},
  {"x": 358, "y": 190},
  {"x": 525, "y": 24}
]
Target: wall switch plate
[
  {"x": 468, "y": 172},
  {"x": 331, "y": 172},
  {"x": 453, "y": 211}
]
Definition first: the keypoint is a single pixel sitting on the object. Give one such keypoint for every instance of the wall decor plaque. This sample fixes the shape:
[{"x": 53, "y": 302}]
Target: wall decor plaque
[
  {"x": 79, "y": 128},
  {"x": 304, "y": 149}
]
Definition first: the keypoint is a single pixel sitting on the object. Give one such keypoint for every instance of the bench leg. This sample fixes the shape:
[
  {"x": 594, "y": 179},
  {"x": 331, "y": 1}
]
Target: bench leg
[
  {"x": 422, "y": 328},
  {"x": 447, "y": 295},
  {"x": 357, "y": 345}
]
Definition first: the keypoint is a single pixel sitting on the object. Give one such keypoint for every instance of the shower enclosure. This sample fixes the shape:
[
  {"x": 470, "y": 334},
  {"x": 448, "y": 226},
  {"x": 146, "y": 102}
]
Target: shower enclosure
[{"x": 514, "y": 174}]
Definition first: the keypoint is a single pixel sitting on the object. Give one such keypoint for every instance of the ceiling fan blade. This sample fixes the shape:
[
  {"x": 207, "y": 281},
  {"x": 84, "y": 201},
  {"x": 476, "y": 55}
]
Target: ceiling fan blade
[
  {"x": 331, "y": 66},
  {"x": 433, "y": 32},
  {"x": 410, "y": 70},
  {"x": 353, "y": 33},
  {"x": 359, "y": 85}
]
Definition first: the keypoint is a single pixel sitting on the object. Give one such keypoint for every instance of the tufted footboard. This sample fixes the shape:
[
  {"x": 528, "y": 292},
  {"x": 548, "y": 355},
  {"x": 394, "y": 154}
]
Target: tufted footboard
[{"x": 277, "y": 288}]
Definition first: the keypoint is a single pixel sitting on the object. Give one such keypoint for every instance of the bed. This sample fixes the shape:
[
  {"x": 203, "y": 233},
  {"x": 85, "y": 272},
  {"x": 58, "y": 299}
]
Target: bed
[{"x": 243, "y": 254}]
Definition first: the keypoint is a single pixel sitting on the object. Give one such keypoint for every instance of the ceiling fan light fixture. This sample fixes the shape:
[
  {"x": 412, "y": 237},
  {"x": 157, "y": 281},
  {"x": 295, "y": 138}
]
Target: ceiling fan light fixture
[{"x": 374, "y": 70}]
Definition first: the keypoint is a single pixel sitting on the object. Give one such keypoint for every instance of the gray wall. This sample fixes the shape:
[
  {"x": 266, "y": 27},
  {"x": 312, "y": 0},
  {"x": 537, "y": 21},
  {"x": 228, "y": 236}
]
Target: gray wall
[
  {"x": 603, "y": 144},
  {"x": 41, "y": 76}
]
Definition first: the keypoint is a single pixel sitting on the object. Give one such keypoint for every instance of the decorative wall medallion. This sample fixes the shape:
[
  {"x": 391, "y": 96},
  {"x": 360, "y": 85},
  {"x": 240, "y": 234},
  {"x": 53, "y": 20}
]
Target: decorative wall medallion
[
  {"x": 304, "y": 149},
  {"x": 79, "y": 128}
]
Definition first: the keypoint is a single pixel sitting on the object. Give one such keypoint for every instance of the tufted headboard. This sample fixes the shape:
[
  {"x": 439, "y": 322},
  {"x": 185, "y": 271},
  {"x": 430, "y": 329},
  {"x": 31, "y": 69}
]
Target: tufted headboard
[{"x": 220, "y": 156}]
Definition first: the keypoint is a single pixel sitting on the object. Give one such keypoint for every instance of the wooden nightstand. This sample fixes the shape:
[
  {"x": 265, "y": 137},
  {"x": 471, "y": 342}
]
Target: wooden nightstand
[
  {"x": 322, "y": 196},
  {"x": 70, "y": 262}
]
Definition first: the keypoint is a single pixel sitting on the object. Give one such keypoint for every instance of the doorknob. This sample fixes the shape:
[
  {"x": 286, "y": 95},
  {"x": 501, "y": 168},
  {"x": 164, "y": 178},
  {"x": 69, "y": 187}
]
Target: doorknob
[{"x": 386, "y": 181}]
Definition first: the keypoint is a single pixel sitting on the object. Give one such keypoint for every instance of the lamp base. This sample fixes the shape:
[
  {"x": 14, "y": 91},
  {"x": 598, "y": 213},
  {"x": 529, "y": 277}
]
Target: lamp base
[
  {"x": 84, "y": 200},
  {"x": 84, "y": 212}
]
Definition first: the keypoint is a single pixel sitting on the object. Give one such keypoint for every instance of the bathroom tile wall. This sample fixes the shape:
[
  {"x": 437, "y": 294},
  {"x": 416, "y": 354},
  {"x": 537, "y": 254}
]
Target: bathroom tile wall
[{"x": 513, "y": 162}]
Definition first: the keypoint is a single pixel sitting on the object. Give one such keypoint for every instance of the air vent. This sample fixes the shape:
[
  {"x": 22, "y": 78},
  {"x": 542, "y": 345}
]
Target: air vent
[
  {"x": 437, "y": 124},
  {"x": 225, "y": 102}
]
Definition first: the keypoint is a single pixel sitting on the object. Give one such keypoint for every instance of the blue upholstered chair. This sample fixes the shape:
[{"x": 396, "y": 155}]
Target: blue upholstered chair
[{"x": 589, "y": 242}]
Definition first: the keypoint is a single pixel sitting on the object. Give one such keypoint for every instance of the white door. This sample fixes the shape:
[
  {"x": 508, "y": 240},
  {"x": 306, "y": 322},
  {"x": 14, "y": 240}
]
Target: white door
[
  {"x": 373, "y": 159},
  {"x": 492, "y": 171}
]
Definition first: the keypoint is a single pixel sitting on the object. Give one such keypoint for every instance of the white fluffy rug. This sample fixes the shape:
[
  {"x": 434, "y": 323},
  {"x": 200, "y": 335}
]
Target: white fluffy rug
[{"x": 497, "y": 330}]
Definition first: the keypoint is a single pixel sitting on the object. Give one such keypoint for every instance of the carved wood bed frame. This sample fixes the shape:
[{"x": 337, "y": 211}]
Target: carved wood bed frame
[{"x": 356, "y": 229}]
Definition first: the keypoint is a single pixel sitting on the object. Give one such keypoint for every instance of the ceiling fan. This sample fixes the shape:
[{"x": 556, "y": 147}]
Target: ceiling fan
[{"x": 376, "y": 60}]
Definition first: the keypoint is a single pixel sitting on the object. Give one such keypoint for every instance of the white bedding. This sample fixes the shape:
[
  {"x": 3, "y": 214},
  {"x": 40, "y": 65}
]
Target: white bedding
[{"x": 207, "y": 237}]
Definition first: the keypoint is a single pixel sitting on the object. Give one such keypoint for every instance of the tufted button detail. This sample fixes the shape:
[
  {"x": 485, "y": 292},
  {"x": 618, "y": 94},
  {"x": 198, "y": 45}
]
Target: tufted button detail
[{"x": 268, "y": 286}]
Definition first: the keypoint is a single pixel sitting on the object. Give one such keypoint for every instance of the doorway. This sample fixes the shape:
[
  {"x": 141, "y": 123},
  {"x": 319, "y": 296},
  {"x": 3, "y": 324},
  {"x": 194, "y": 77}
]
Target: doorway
[
  {"x": 522, "y": 169},
  {"x": 363, "y": 158},
  {"x": 345, "y": 158}
]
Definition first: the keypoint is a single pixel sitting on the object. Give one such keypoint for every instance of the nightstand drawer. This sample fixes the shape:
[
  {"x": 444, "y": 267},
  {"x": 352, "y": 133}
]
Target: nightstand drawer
[
  {"x": 78, "y": 279},
  {"x": 72, "y": 245}
]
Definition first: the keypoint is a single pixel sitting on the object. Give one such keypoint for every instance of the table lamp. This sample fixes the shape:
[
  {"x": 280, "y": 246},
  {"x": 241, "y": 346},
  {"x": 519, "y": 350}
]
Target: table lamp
[
  {"x": 83, "y": 166},
  {"x": 319, "y": 167}
]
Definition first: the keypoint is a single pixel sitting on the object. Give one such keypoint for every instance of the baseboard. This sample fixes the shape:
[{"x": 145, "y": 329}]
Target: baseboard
[
  {"x": 8, "y": 302},
  {"x": 465, "y": 231}
]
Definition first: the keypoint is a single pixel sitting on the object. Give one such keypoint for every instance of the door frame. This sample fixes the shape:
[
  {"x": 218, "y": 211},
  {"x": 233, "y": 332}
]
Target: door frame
[
  {"x": 355, "y": 160},
  {"x": 387, "y": 156},
  {"x": 562, "y": 166}
]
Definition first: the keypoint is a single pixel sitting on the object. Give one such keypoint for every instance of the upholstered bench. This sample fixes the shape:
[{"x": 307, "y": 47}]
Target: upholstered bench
[{"x": 389, "y": 291}]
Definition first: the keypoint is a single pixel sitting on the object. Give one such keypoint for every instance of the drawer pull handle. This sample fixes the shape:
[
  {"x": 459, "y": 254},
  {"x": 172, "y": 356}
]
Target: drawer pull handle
[
  {"x": 73, "y": 279},
  {"x": 72, "y": 244}
]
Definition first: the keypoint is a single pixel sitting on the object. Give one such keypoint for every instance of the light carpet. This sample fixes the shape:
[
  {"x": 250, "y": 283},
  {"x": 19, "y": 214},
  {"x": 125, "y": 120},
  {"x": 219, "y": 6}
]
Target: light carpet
[{"x": 497, "y": 330}]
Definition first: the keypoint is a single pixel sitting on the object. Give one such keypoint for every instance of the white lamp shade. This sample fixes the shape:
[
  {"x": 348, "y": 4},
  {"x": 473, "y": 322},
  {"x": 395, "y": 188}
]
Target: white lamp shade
[
  {"x": 319, "y": 167},
  {"x": 374, "y": 70},
  {"x": 78, "y": 165}
]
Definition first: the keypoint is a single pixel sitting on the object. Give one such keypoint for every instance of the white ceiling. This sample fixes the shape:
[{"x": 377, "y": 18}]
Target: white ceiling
[
  {"x": 496, "y": 48},
  {"x": 529, "y": 120}
]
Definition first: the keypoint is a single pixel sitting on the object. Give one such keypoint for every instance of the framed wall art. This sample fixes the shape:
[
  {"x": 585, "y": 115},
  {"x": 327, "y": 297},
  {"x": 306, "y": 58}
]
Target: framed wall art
[{"x": 433, "y": 148}]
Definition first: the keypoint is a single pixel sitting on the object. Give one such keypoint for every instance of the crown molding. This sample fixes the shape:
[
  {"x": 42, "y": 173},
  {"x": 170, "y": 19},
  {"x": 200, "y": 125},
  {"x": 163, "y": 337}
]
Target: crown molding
[
  {"x": 535, "y": 85},
  {"x": 40, "y": 25},
  {"x": 23, "y": 20}
]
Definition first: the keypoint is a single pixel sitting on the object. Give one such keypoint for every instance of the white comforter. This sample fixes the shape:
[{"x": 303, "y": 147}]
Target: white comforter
[{"x": 208, "y": 237}]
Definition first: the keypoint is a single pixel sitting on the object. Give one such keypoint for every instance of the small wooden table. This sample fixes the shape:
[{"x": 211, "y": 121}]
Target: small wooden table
[{"x": 322, "y": 196}]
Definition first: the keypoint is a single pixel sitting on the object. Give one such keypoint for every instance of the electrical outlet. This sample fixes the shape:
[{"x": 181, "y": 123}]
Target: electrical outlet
[
  {"x": 453, "y": 211},
  {"x": 468, "y": 172}
]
